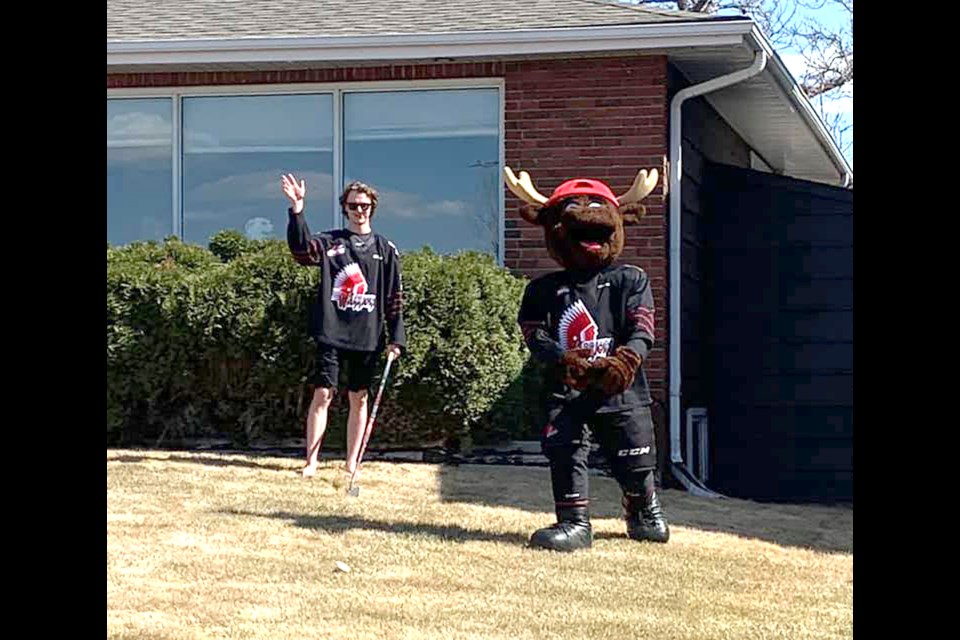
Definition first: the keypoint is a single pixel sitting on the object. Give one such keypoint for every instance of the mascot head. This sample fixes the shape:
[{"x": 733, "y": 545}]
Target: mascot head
[{"x": 582, "y": 219}]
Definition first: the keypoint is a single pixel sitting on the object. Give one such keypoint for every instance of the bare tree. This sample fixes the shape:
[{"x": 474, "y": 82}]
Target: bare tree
[{"x": 827, "y": 50}]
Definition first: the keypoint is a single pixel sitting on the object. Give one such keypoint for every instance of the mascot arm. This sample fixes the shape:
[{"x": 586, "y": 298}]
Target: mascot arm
[
  {"x": 638, "y": 326},
  {"x": 578, "y": 371},
  {"x": 616, "y": 372},
  {"x": 533, "y": 324},
  {"x": 573, "y": 364}
]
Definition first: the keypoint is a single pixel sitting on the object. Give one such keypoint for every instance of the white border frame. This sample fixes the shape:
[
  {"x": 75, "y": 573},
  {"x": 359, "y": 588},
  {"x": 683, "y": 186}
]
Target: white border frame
[{"x": 336, "y": 90}]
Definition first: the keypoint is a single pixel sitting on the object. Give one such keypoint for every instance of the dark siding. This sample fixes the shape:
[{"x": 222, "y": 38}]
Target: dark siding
[{"x": 780, "y": 269}]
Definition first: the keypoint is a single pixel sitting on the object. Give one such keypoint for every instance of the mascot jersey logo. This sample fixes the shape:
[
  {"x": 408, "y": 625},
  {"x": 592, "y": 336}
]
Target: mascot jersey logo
[
  {"x": 578, "y": 330},
  {"x": 350, "y": 290}
]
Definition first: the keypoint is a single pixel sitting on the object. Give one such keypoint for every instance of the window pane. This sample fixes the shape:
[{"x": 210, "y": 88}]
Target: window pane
[
  {"x": 434, "y": 158},
  {"x": 139, "y": 170},
  {"x": 234, "y": 152}
]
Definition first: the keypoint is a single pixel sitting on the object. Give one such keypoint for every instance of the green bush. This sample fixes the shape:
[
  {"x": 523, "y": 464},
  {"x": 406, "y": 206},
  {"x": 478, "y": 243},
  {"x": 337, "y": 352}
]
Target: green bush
[
  {"x": 203, "y": 342},
  {"x": 230, "y": 244}
]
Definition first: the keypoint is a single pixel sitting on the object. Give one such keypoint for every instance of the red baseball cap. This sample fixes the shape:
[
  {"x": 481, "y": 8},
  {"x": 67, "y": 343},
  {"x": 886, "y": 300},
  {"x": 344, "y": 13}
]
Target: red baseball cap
[{"x": 581, "y": 187}]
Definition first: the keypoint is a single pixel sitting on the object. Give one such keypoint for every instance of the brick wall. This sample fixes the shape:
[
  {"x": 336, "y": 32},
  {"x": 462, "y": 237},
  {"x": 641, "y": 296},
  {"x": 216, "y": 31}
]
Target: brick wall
[{"x": 603, "y": 118}]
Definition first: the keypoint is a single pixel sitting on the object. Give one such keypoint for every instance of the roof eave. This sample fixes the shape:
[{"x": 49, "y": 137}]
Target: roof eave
[
  {"x": 799, "y": 100},
  {"x": 472, "y": 44},
  {"x": 327, "y": 49}
]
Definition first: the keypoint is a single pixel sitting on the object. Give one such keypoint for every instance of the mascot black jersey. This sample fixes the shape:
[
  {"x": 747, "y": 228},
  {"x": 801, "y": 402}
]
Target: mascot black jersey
[
  {"x": 360, "y": 294},
  {"x": 596, "y": 310}
]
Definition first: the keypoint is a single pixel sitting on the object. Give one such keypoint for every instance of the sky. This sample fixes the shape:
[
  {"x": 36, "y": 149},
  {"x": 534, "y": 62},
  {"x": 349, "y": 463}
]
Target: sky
[{"x": 838, "y": 101}]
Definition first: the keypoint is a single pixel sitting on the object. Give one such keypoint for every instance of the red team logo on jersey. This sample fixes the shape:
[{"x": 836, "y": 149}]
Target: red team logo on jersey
[
  {"x": 350, "y": 290},
  {"x": 578, "y": 330}
]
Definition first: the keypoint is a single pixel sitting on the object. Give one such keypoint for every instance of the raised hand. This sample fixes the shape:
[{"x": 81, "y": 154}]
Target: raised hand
[{"x": 294, "y": 190}]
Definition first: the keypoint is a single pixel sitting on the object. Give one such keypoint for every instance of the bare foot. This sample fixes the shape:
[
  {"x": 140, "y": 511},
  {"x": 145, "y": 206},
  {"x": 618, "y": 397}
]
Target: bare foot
[{"x": 309, "y": 471}]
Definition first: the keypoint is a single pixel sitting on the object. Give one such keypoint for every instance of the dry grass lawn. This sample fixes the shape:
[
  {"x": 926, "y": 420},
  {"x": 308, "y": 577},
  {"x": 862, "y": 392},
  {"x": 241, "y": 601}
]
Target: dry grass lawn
[{"x": 206, "y": 545}]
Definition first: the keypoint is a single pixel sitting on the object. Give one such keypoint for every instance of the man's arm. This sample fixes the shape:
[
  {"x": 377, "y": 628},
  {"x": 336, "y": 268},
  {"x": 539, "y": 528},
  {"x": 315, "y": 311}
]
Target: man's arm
[
  {"x": 306, "y": 250},
  {"x": 393, "y": 298}
]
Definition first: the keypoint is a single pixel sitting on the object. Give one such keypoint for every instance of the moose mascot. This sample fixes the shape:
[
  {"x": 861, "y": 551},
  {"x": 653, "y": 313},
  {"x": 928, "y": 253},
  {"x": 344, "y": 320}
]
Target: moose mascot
[{"x": 592, "y": 324}]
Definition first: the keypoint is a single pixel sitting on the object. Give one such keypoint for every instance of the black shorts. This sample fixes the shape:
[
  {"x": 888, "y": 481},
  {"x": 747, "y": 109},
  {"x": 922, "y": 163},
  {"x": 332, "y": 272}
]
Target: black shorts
[{"x": 359, "y": 368}]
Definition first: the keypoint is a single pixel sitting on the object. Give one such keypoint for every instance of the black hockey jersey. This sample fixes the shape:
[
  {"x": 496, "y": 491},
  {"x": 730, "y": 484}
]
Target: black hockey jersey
[
  {"x": 360, "y": 297},
  {"x": 598, "y": 310}
]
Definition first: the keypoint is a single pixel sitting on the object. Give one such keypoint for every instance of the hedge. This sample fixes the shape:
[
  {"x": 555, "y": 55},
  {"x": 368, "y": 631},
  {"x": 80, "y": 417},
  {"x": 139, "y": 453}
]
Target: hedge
[{"x": 204, "y": 342}]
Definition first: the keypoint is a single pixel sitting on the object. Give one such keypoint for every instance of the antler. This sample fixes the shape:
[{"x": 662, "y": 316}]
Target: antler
[
  {"x": 643, "y": 184},
  {"x": 523, "y": 187}
]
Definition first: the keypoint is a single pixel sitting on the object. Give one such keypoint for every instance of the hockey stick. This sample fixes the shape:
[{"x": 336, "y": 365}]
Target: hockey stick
[{"x": 354, "y": 490}]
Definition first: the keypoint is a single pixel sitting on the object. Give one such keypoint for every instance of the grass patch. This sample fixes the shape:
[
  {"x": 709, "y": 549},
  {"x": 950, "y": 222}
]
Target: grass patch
[{"x": 206, "y": 545}]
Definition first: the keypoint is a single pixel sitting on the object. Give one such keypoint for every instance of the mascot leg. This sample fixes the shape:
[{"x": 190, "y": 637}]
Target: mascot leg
[
  {"x": 566, "y": 448},
  {"x": 642, "y": 511},
  {"x": 633, "y": 459}
]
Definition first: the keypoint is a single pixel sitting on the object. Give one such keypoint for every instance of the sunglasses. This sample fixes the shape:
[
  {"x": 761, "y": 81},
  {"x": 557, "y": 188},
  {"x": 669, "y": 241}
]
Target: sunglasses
[{"x": 359, "y": 206}]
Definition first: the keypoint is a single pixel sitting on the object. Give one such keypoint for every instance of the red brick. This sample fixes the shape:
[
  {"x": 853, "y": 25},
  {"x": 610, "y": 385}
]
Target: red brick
[{"x": 599, "y": 117}]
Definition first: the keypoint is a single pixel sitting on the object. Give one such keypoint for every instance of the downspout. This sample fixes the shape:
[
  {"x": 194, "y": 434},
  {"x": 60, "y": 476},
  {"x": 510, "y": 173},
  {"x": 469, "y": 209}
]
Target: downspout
[{"x": 677, "y": 465}]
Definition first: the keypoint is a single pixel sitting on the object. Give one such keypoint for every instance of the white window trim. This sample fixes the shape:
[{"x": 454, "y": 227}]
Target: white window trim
[
  {"x": 336, "y": 90},
  {"x": 176, "y": 183},
  {"x": 336, "y": 217}
]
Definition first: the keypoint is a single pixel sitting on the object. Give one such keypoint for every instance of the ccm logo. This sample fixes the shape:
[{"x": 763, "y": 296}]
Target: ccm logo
[{"x": 633, "y": 452}]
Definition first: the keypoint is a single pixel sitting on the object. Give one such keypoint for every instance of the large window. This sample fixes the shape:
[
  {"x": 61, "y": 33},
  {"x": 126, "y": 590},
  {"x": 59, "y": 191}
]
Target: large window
[
  {"x": 236, "y": 148},
  {"x": 139, "y": 170},
  {"x": 434, "y": 158},
  {"x": 200, "y": 161}
]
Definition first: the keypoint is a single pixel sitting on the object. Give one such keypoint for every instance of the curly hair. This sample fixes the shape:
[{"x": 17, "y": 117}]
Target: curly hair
[{"x": 362, "y": 187}]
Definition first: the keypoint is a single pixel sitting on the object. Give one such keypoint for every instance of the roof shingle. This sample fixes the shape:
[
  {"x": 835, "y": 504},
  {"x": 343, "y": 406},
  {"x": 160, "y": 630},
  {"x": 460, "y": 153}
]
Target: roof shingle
[{"x": 137, "y": 20}]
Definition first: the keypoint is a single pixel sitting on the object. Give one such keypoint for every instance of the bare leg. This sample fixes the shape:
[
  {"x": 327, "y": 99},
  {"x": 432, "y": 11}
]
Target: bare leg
[
  {"x": 356, "y": 423},
  {"x": 316, "y": 425}
]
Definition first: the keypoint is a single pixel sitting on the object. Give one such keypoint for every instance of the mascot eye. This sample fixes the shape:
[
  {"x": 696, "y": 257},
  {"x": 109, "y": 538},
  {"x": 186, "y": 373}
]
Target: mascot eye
[{"x": 577, "y": 203}]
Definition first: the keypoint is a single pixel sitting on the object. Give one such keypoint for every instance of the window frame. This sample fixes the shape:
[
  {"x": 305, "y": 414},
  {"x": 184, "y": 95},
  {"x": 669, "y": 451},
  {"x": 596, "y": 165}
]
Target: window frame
[{"x": 337, "y": 90}]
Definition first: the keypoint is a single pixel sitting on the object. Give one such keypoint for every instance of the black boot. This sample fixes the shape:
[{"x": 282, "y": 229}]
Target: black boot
[
  {"x": 571, "y": 532},
  {"x": 645, "y": 518}
]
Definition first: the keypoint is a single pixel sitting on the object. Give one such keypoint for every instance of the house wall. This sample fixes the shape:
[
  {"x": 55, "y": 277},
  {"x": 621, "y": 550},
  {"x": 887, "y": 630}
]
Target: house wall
[
  {"x": 781, "y": 412},
  {"x": 706, "y": 138},
  {"x": 603, "y": 117}
]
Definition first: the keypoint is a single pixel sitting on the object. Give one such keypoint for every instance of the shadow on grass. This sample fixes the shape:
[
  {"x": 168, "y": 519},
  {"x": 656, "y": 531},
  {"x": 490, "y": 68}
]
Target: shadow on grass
[
  {"x": 340, "y": 524},
  {"x": 209, "y": 461},
  {"x": 817, "y": 527}
]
